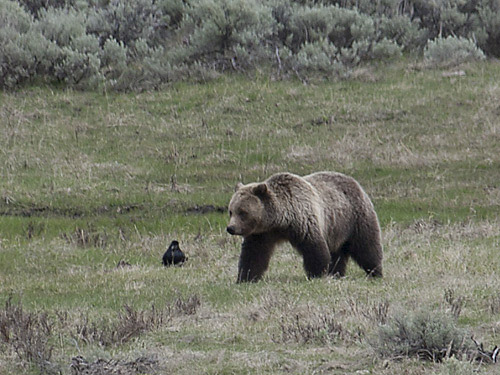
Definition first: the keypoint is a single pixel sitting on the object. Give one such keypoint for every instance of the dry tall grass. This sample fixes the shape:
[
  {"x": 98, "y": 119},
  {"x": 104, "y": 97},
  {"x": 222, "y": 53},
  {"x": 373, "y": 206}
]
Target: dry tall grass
[{"x": 89, "y": 181}]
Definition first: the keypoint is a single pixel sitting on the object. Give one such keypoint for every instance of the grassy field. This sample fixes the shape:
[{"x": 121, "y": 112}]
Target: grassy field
[{"x": 90, "y": 179}]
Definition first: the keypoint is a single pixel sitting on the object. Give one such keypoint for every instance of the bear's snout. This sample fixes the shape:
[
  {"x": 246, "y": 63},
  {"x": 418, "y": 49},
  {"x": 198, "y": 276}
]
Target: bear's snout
[{"x": 230, "y": 229}]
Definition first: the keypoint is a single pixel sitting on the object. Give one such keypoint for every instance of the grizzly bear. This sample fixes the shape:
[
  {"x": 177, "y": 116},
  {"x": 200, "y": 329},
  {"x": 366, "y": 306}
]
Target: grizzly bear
[{"x": 326, "y": 216}]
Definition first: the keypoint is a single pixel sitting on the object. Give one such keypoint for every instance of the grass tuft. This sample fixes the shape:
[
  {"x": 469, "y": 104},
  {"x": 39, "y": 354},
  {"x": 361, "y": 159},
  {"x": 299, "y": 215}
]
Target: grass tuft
[
  {"x": 27, "y": 334},
  {"x": 142, "y": 365},
  {"x": 87, "y": 238},
  {"x": 314, "y": 327},
  {"x": 129, "y": 324}
]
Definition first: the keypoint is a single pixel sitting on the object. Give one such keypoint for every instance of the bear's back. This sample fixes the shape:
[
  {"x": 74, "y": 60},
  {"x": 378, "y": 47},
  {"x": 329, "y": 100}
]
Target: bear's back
[
  {"x": 325, "y": 181},
  {"x": 338, "y": 189}
]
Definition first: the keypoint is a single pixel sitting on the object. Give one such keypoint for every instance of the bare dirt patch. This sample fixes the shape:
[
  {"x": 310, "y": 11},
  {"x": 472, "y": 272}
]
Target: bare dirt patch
[{"x": 205, "y": 209}]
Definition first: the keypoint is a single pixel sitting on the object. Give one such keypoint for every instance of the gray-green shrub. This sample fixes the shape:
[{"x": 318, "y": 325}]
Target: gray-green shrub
[
  {"x": 488, "y": 29},
  {"x": 330, "y": 38},
  {"x": 142, "y": 44},
  {"x": 75, "y": 59},
  {"x": 451, "y": 51},
  {"x": 80, "y": 62},
  {"x": 404, "y": 31},
  {"x": 320, "y": 56},
  {"x": 113, "y": 57},
  {"x": 426, "y": 335},
  {"x": 228, "y": 32},
  {"x": 61, "y": 25},
  {"x": 17, "y": 61},
  {"x": 128, "y": 21},
  {"x": 340, "y": 26}
]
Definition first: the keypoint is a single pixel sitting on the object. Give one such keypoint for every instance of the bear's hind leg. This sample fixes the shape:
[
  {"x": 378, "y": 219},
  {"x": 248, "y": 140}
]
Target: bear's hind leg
[
  {"x": 368, "y": 255},
  {"x": 256, "y": 252},
  {"x": 338, "y": 263}
]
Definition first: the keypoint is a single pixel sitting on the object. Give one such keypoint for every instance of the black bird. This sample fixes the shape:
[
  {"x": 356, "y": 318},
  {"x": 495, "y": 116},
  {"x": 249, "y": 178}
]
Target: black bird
[{"x": 174, "y": 255}]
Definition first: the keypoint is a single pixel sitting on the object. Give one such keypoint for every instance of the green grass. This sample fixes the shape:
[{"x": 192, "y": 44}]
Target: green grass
[{"x": 88, "y": 179}]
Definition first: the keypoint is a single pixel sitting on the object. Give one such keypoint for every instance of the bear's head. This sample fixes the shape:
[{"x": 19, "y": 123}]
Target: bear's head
[{"x": 247, "y": 211}]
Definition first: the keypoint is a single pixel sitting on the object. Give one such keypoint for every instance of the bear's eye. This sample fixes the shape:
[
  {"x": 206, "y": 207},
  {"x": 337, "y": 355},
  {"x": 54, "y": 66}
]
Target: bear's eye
[
  {"x": 243, "y": 214},
  {"x": 230, "y": 213}
]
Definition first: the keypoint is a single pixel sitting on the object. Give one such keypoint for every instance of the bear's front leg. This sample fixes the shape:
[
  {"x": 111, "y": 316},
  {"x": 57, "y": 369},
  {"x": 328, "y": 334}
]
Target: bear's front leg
[{"x": 256, "y": 252}]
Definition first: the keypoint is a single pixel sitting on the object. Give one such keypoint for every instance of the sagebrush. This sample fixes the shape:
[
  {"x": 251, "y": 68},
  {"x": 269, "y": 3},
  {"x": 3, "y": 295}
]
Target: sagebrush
[{"x": 145, "y": 44}]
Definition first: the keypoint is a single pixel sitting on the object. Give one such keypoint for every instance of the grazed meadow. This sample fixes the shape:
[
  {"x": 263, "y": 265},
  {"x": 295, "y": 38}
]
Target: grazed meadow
[{"x": 89, "y": 179}]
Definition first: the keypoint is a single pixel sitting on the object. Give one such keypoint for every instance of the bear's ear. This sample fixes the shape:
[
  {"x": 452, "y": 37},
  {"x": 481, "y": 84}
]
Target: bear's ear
[
  {"x": 238, "y": 186},
  {"x": 260, "y": 190}
]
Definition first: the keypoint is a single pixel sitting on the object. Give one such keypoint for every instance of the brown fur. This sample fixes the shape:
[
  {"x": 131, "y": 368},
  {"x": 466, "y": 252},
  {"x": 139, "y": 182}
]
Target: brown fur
[{"x": 326, "y": 216}]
